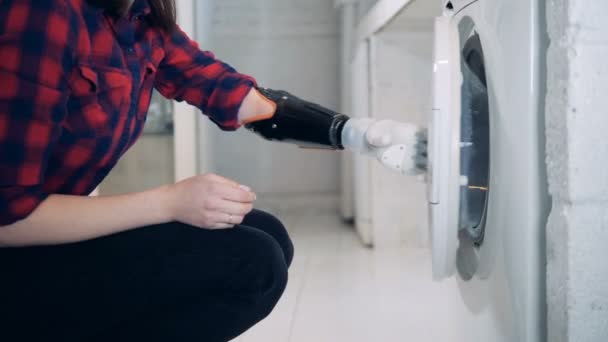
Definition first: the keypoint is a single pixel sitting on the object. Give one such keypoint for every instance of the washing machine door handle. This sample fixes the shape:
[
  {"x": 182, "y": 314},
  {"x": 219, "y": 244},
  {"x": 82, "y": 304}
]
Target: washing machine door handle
[
  {"x": 444, "y": 149},
  {"x": 442, "y": 75}
]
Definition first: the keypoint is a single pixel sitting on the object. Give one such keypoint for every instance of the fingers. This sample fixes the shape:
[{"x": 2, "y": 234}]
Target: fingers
[
  {"x": 224, "y": 202},
  {"x": 380, "y": 134},
  {"x": 231, "y": 190},
  {"x": 223, "y": 214},
  {"x": 233, "y": 208},
  {"x": 421, "y": 159},
  {"x": 233, "y": 219},
  {"x": 221, "y": 220},
  {"x": 220, "y": 179},
  {"x": 234, "y": 194},
  {"x": 223, "y": 180},
  {"x": 225, "y": 220},
  {"x": 379, "y": 140}
]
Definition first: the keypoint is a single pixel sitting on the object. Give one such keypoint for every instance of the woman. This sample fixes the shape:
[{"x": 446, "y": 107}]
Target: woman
[{"x": 76, "y": 78}]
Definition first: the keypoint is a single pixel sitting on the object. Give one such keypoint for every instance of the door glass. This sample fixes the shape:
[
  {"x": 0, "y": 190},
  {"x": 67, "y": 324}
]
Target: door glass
[{"x": 475, "y": 141}]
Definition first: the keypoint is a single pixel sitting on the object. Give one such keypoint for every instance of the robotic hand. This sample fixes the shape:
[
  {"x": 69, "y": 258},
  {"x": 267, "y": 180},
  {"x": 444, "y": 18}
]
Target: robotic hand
[{"x": 398, "y": 146}]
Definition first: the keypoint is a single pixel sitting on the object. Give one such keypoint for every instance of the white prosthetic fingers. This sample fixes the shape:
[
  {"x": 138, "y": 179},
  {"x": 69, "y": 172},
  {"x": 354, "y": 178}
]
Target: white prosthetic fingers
[{"x": 397, "y": 145}]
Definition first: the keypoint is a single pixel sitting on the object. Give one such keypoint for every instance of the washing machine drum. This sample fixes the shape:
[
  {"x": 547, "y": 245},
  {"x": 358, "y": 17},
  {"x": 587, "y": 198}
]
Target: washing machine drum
[
  {"x": 475, "y": 142},
  {"x": 459, "y": 146}
]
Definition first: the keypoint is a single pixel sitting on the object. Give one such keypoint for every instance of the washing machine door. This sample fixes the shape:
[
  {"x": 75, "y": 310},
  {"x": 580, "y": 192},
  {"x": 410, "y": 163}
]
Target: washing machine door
[
  {"x": 444, "y": 139},
  {"x": 459, "y": 157}
]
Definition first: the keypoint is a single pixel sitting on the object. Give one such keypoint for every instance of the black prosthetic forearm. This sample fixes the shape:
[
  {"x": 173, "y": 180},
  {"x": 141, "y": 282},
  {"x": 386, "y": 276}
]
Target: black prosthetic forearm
[{"x": 300, "y": 122}]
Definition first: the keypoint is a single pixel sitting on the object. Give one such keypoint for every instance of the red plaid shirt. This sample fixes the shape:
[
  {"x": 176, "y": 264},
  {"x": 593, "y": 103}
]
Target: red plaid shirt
[{"x": 75, "y": 86}]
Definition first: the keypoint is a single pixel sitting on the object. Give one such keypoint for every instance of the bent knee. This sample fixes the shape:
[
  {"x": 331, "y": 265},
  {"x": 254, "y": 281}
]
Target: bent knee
[
  {"x": 271, "y": 225},
  {"x": 265, "y": 264}
]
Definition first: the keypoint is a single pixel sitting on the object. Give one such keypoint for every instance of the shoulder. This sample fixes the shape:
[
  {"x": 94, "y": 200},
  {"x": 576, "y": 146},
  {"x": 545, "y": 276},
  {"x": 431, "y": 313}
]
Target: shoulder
[
  {"x": 37, "y": 7},
  {"x": 67, "y": 9},
  {"x": 30, "y": 14},
  {"x": 42, "y": 33}
]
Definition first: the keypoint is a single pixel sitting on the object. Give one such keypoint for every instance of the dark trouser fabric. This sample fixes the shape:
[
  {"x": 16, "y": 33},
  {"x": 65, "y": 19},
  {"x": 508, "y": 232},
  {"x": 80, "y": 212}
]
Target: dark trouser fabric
[{"x": 170, "y": 282}]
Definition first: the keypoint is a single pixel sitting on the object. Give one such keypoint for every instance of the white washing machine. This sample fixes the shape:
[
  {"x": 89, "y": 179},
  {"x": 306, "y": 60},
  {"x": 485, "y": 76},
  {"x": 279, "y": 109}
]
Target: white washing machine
[{"x": 487, "y": 185}]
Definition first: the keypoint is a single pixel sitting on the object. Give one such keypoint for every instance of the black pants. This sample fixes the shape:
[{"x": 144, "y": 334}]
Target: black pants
[{"x": 169, "y": 282}]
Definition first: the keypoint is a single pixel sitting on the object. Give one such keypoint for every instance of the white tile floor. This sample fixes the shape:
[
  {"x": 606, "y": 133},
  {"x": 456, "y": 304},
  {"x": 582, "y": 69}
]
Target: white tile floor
[{"x": 341, "y": 291}]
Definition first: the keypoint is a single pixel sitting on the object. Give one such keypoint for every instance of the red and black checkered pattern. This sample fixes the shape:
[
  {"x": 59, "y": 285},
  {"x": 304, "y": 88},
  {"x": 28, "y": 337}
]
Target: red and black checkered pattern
[{"x": 75, "y": 86}]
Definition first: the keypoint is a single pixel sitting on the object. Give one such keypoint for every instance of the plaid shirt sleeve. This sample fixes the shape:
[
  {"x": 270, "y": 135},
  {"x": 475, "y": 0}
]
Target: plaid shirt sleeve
[
  {"x": 34, "y": 59},
  {"x": 187, "y": 73}
]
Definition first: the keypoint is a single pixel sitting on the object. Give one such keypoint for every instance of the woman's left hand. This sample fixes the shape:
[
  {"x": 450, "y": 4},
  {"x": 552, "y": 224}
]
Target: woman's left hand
[{"x": 210, "y": 201}]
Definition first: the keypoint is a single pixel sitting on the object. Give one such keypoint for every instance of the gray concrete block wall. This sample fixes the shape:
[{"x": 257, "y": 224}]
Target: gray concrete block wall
[{"x": 577, "y": 161}]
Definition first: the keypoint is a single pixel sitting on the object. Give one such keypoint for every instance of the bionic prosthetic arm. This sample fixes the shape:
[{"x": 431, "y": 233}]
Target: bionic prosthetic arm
[
  {"x": 303, "y": 123},
  {"x": 399, "y": 146}
]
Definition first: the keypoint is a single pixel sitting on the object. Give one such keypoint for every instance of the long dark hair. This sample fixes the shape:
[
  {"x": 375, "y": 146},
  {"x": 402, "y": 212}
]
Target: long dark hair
[{"x": 163, "y": 13}]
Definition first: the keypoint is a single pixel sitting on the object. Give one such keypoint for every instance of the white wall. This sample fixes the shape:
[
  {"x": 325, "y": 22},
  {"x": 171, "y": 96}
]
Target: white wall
[
  {"x": 401, "y": 88},
  {"x": 577, "y": 270},
  {"x": 364, "y": 6},
  {"x": 290, "y": 45},
  {"x": 400, "y": 70}
]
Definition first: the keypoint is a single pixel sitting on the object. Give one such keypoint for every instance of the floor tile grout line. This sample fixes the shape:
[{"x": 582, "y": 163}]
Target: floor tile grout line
[{"x": 299, "y": 295}]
